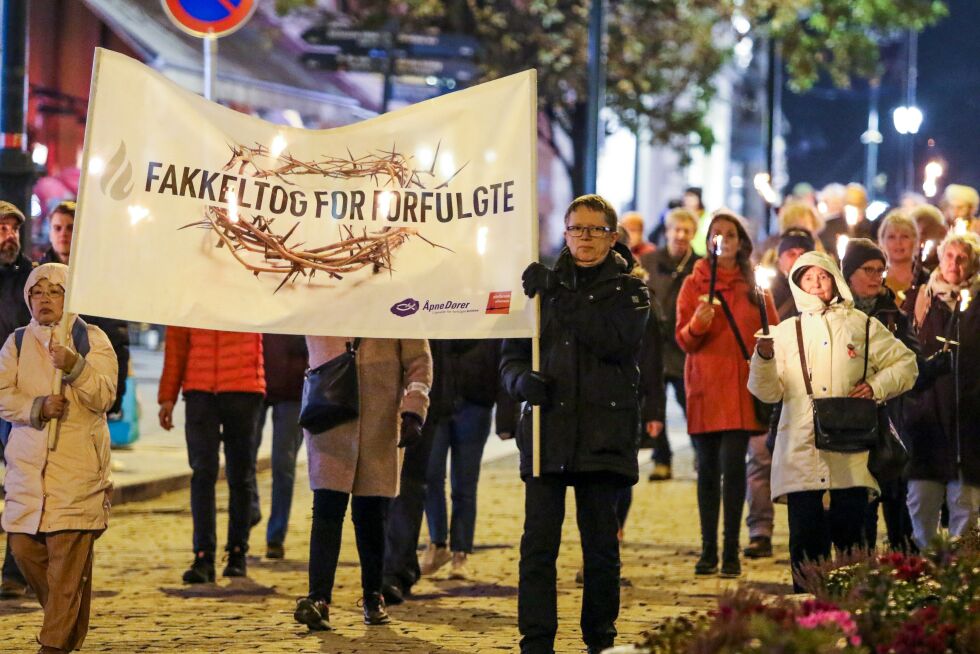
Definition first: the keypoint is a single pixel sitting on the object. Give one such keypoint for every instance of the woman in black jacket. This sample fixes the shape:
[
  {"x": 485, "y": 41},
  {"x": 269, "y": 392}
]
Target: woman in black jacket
[{"x": 942, "y": 419}]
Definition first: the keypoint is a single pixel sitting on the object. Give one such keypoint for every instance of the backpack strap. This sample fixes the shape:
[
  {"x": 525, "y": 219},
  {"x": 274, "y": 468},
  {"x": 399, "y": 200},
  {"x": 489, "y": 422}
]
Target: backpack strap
[{"x": 79, "y": 337}]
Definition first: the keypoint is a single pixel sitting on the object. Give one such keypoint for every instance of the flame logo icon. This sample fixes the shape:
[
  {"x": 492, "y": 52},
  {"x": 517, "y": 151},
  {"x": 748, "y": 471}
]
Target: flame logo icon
[{"x": 117, "y": 179}]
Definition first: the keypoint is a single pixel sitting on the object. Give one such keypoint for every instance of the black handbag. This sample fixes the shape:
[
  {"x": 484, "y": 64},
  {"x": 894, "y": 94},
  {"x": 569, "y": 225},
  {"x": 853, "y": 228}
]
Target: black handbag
[
  {"x": 330, "y": 392},
  {"x": 888, "y": 458},
  {"x": 763, "y": 410},
  {"x": 841, "y": 424}
]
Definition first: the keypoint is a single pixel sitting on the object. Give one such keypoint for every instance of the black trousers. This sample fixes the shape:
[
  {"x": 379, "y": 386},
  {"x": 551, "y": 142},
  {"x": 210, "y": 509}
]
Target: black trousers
[
  {"x": 401, "y": 562},
  {"x": 213, "y": 419},
  {"x": 898, "y": 522},
  {"x": 368, "y": 514},
  {"x": 596, "y": 497},
  {"x": 10, "y": 570},
  {"x": 721, "y": 483},
  {"x": 813, "y": 529},
  {"x": 661, "y": 451}
]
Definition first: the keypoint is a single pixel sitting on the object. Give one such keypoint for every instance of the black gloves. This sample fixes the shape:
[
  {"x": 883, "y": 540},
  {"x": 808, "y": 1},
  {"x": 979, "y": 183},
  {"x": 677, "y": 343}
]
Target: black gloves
[
  {"x": 538, "y": 278},
  {"x": 534, "y": 387},
  {"x": 411, "y": 430}
]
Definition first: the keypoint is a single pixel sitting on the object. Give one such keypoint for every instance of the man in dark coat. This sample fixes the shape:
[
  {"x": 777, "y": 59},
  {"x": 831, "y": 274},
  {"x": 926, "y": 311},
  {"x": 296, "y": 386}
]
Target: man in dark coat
[
  {"x": 593, "y": 316},
  {"x": 14, "y": 270},
  {"x": 668, "y": 267}
]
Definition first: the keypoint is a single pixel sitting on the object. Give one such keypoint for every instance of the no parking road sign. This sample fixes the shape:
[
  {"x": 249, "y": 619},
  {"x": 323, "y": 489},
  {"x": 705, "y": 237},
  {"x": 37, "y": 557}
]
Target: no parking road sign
[{"x": 209, "y": 18}]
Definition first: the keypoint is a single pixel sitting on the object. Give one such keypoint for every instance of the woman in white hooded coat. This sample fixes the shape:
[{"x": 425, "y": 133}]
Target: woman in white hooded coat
[
  {"x": 57, "y": 499},
  {"x": 834, "y": 345}
]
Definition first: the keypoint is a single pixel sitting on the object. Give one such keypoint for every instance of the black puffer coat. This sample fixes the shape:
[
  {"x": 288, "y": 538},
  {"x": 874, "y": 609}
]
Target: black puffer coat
[
  {"x": 938, "y": 452},
  {"x": 590, "y": 341},
  {"x": 14, "y": 312},
  {"x": 469, "y": 369}
]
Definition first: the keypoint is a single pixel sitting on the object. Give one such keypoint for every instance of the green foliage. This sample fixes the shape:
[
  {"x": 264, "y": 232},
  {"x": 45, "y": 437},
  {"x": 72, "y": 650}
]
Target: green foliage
[{"x": 662, "y": 55}]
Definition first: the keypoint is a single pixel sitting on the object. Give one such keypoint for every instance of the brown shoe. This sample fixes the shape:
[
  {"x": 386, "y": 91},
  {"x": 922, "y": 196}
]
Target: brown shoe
[{"x": 661, "y": 472}]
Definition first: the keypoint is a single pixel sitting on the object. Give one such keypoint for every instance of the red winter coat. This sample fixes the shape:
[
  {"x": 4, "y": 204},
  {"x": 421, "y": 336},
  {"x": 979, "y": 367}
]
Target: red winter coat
[
  {"x": 210, "y": 361},
  {"x": 715, "y": 374}
]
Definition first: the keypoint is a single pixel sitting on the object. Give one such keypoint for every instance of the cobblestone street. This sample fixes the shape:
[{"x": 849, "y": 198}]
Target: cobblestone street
[{"x": 140, "y": 604}]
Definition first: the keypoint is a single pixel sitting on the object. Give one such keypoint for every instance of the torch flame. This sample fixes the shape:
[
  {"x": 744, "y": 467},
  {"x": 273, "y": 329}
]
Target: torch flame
[
  {"x": 764, "y": 276},
  {"x": 964, "y": 299},
  {"x": 851, "y": 215},
  {"x": 717, "y": 240},
  {"x": 842, "y": 242},
  {"x": 961, "y": 227},
  {"x": 927, "y": 248}
]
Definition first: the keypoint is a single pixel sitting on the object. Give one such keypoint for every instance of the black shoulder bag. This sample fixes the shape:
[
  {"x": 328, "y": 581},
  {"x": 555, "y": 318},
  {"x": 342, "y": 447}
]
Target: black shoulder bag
[
  {"x": 330, "y": 392},
  {"x": 763, "y": 410},
  {"x": 841, "y": 424}
]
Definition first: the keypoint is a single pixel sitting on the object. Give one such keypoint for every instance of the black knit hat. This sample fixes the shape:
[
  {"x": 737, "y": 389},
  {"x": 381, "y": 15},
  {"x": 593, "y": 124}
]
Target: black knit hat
[
  {"x": 860, "y": 251},
  {"x": 796, "y": 237}
]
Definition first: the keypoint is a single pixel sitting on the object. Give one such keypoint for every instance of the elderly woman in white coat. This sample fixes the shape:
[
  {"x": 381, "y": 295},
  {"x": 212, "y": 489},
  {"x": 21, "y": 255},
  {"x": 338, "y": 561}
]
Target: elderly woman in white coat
[
  {"x": 57, "y": 500},
  {"x": 359, "y": 462},
  {"x": 834, "y": 347}
]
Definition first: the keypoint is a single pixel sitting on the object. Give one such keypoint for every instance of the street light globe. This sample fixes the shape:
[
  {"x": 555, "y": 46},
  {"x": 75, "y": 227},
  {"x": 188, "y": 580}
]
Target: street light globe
[{"x": 907, "y": 119}]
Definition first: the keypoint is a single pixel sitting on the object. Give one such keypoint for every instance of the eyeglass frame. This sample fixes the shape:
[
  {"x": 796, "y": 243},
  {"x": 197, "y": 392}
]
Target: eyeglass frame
[
  {"x": 51, "y": 293},
  {"x": 873, "y": 273},
  {"x": 594, "y": 231}
]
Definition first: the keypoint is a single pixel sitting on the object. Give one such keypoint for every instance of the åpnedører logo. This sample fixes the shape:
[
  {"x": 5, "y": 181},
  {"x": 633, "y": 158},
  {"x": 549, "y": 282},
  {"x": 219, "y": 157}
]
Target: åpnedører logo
[
  {"x": 117, "y": 178},
  {"x": 406, "y": 307}
]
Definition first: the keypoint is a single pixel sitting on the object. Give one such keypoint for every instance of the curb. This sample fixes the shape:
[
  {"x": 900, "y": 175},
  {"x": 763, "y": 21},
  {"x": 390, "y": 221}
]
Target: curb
[{"x": 153, "y": 488}]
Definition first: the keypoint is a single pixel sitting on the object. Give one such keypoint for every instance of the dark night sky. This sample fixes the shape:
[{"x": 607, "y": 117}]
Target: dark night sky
[{"x": 825, "y": 124}]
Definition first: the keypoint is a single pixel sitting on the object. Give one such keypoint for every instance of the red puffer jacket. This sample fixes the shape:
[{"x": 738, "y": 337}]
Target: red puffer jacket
[{"x": 211, "y": 361}]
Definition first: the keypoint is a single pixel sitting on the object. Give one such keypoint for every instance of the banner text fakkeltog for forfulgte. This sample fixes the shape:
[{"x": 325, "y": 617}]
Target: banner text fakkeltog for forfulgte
[{"x": 376, "y": 205}]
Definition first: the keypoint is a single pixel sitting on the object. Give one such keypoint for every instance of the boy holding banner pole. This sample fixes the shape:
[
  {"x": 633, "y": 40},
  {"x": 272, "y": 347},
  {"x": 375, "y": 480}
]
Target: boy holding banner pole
[{"x": 593, "y": 315}]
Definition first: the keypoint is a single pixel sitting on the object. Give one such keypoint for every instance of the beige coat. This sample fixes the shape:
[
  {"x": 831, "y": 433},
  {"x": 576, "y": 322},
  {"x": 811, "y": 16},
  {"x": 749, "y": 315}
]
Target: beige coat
[
  {"x": 362, "y": 457},
  {"x": 68, "y": 487},
  {"x": 797, "y": 465}
]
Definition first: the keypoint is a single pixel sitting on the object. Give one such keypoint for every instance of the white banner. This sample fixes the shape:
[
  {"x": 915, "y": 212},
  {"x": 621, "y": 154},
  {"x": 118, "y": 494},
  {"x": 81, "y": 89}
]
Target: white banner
[{"x": 417, "y": 223}]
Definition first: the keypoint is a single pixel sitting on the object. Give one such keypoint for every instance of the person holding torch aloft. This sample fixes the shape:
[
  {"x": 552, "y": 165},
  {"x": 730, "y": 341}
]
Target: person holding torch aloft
[
  {"x": 942, "y": 419},
  {"x": 717, "y": 319},
  {"x": 593, "y": 315}
]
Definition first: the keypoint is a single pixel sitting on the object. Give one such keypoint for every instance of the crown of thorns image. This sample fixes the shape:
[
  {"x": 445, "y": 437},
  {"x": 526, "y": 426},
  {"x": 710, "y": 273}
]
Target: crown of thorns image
[{"x": 354, "y": 251}]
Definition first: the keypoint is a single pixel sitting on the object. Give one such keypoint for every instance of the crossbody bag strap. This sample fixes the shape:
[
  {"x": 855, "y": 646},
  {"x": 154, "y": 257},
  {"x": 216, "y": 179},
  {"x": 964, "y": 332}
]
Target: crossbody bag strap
[
  {"x": 731, "y": 323},
  {"x": 799, "y": 343}
]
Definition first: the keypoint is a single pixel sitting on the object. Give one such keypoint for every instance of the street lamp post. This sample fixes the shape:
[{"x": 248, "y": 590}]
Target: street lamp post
[
  {"x": 596, "y": 85},
  {"x": 16, "y": 165}
]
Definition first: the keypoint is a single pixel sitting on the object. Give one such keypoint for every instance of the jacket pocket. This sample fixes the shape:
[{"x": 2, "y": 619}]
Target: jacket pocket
[{"x": 524, "y": 428}]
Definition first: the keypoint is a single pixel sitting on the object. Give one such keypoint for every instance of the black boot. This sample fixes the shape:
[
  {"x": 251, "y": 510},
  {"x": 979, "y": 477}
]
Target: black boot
[
  {"x": 315, "y": 614},
  {"x": 374, "y": 609},
  {"x": 202, "y": 570},
  {"x": 708, "y": 563},
  {"x": 759, "y": 547},
  {"x": 731, "y": 567},
  {"x": 236, "y": 566}
]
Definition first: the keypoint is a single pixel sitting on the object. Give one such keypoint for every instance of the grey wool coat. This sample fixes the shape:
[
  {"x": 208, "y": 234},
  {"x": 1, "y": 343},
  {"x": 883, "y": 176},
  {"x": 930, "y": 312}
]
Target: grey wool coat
[{"x": 362, "y": 457}]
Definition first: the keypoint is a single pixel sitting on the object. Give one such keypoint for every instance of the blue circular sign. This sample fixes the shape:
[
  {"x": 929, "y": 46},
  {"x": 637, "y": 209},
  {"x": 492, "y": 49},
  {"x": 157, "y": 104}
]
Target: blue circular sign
[{"x": 209, "y": 17}]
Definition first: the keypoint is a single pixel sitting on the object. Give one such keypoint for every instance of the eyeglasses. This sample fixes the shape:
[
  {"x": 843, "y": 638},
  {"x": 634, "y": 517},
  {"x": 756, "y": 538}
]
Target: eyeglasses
[
  {"x": 51, "y": 294},
  {"x": 581, "y": 230},
  {"x": 871, "y": 271}
]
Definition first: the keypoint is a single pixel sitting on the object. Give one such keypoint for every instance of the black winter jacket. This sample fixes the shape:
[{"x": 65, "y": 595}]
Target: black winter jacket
[
  {"x": 590, "y": 342},
  {"x": 469, "y": 369},
  {"x": 14, "y": 312},
  {"x": 930, "y": 412},
  {"x": 666, "y": 277}
]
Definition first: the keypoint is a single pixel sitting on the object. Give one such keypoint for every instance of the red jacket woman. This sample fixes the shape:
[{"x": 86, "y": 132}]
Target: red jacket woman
[{"x": 720, "y": 411}]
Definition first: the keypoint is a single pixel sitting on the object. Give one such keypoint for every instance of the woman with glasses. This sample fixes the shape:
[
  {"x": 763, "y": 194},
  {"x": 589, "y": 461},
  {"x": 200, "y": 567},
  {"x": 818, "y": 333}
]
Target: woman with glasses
[
  {"x": 720, "y": 412},
  {"x": 57, "y": 494},
  {"x": 865, "y": 270}
]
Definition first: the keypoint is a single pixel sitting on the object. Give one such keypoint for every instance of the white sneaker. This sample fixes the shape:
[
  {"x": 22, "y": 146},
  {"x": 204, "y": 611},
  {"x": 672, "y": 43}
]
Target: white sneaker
[
  {"x": 434, "y": 558},
  {"x": 459, "y": 569}
]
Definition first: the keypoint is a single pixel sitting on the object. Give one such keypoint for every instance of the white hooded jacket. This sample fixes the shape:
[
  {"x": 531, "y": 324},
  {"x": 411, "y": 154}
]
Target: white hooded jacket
[
  {"x": 68, "y": 487},
  {"x": 835, "y": 368}
]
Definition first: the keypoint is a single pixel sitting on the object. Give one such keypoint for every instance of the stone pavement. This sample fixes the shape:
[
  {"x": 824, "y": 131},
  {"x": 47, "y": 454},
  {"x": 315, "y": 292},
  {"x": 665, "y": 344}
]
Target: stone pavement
[{"x": 141, "y": 606}]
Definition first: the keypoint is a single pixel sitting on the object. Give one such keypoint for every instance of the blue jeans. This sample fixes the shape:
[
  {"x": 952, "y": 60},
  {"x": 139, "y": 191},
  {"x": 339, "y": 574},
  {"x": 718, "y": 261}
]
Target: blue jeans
[
  {"x": 462, "y": 436},
  {"x": 287, "y": 436}
]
